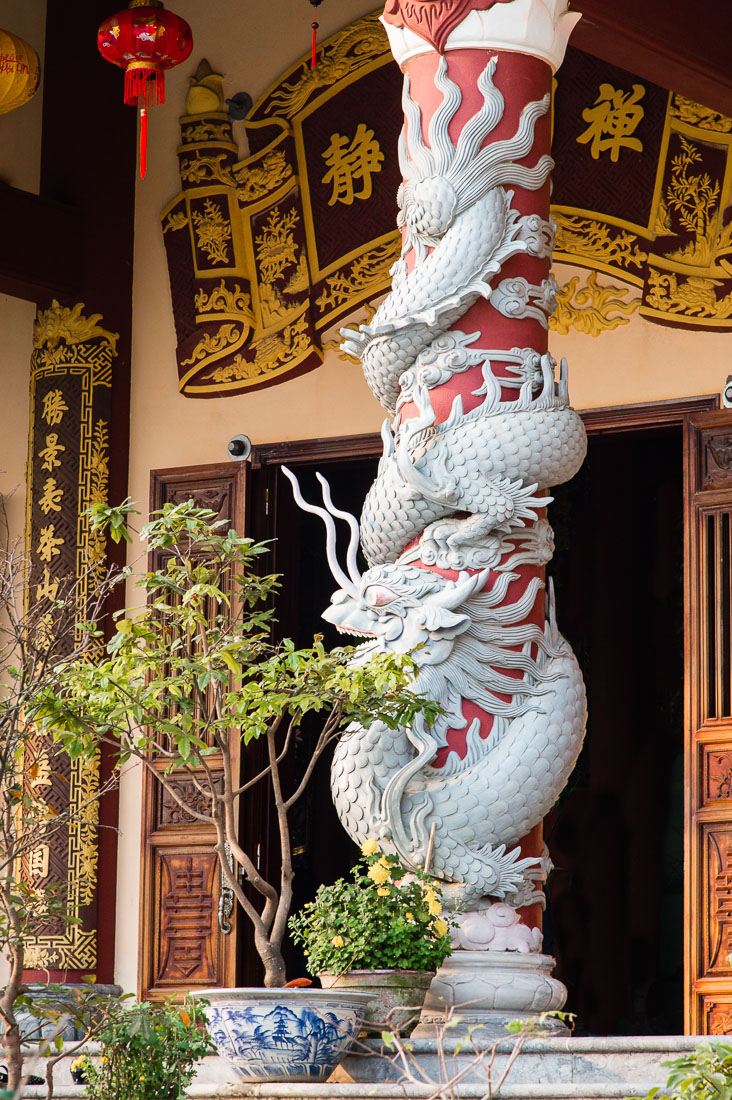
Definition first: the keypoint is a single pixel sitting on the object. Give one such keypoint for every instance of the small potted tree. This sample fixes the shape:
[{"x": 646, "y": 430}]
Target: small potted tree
[{"x": 192, "y": 676}]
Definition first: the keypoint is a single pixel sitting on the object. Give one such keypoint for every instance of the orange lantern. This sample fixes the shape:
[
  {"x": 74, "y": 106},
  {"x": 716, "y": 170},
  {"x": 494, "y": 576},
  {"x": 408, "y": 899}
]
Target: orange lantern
[{"x": 20, "y": 72}]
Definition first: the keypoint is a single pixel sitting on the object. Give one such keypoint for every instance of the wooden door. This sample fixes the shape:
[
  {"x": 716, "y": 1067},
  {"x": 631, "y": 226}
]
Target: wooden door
[
  {"x": 188, "y": 922},
  {"x": 708, "y": 811}
]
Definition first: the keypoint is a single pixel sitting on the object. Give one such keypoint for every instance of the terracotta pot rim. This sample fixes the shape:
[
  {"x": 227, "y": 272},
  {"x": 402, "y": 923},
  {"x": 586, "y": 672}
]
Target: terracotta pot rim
[{"x": 384, "y": 970}]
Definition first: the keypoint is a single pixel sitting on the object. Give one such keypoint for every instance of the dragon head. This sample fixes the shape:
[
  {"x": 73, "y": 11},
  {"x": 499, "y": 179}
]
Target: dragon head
[{"x": 402, "y": 607}]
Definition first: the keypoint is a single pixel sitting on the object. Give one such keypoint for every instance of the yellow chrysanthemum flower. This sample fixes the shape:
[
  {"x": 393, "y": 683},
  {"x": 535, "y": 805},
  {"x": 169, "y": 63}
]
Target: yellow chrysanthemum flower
[
  {"x": 410, "y": 916},
  {"x": 338, "y": 941},
  {"x": 379, "y": 873},
  {"x": 369, "y": 847},
  {"x": 441, "y": 927},
  {"x": 434, "y": 907},
  {"x": 383, "y": 891}
]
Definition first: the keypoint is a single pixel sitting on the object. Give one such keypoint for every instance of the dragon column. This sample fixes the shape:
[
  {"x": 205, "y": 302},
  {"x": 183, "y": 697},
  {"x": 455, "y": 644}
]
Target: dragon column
[{"x": 454, "y": 528}]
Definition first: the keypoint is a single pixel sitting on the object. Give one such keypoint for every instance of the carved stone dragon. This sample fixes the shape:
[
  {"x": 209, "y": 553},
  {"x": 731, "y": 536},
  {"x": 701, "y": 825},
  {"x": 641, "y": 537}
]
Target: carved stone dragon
[{"x": 452, "y": 528}]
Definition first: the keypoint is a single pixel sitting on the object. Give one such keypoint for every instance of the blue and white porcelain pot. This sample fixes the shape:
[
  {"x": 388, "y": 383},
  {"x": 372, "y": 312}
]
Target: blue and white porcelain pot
[{"x": 284, "y": 1034}]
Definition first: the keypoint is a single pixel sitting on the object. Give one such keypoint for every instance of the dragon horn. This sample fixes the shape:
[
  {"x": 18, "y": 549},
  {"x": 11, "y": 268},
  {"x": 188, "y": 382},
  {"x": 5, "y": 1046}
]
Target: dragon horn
[
  {"x": 352, "y": 523},
  {"x": 340, "y": 577}
]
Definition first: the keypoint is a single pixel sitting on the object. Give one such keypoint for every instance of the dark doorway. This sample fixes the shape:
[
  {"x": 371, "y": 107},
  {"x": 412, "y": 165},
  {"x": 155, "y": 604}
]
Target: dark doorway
[
  {"x": 615, "y": 899},
  {"x": 615, "y": 913}
]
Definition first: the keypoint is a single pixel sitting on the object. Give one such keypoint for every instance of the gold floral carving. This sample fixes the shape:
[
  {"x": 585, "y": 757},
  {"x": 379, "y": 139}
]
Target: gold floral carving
[
  {"x": 202, "y": 169},
  {"x": 300, "y": 281},
  {"x": 213, "y": 232},
  {"x": 694, "y": 198},
  {"x": 175, "y": 221},
  {"x": 694, "y": 296},
  {"x": 340, "y": 56},
  {"x": 269, "y": 353},
  {"x": 588, "y": 308},
  {"x": 273, "y": 306},
  {"x": 694, "y": 114},
  {"x": 369, "y": 273},
  {"x": 206, "y": 131},
  {"x": 593, "y": 240},
  {"x": 260, "y": 179},
  {"x": 99, "y": 486},
  {"x": 212, "y": 343},
  {"x": 59, "y": 323},
  {"x": 235, "y": 302},
  {"x": 276, "y": 247}
]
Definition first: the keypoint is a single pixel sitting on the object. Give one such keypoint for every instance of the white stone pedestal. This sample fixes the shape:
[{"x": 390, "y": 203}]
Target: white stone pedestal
[{"x": 491, "y": 988}]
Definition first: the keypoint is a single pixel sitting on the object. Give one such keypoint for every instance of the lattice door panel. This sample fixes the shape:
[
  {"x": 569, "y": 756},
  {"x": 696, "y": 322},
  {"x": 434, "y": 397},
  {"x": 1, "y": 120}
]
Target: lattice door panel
[{"x": 708, "y": 597}]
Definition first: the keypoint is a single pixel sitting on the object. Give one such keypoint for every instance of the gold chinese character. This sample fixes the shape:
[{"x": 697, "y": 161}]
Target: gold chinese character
[
  {"x": 48, "y": 588},
  {"x": 614, "y": 116},
  {"x": 51, "y": 452},
  {"x": 38, "y": 861},
  {"x": 45, "y": 632},
  {"x": 54, "y": 407},
  {"x": 51, "y": 499},
  {"x": 48, "y": 545},
  {"x": 40, "y": 771},
  {"x": 347, "y": 163}
]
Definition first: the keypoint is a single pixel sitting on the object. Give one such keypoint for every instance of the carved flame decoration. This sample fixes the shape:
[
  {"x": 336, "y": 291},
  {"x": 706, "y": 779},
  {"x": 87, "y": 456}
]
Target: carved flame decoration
[{"x": 433, "y": 20}]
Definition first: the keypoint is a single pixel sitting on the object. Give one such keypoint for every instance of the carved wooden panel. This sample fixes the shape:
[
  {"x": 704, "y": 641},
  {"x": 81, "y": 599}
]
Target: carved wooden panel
[
  {"x": 716, "y": 458},
  {"x": 187, "y": 940},
  {"x": 717, "y": 773},
  {"x": 717, "y": 1015},
  {"x": 708, "y": 642},
  {"x": 170, "y": 813},
  {"x": 717, "y": 883}
]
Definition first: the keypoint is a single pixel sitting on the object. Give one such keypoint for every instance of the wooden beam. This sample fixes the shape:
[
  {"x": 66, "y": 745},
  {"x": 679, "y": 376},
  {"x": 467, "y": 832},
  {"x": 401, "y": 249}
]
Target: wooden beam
[
  {"x": 41, "y": 255},
  {"x": 665, "y": 42}
]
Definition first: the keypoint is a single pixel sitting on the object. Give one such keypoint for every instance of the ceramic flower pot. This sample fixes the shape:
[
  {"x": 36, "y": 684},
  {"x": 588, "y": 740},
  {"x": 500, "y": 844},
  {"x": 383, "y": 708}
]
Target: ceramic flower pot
[
  {"x": 396, "y": 996},
  {"x": 283, "y": 1034}
]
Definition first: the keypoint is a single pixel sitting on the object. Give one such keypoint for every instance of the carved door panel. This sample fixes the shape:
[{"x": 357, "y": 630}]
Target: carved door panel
[
  {"x": 188, "y": 925},
  {"x": 708, "y": 828}
]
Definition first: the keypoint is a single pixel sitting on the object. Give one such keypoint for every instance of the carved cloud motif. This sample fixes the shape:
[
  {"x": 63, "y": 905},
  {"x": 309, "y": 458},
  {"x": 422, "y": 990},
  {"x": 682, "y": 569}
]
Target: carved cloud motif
[{"x": 433, "y": 20}]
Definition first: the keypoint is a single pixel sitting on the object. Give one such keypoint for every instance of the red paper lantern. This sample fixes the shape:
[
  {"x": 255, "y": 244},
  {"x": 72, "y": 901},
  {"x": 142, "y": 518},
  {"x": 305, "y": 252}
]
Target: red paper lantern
[{"x": 145, "y": 40}]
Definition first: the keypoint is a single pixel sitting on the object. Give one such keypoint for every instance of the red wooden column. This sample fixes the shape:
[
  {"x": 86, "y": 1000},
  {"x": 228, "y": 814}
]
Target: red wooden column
[{"x": 528, "y": 46}]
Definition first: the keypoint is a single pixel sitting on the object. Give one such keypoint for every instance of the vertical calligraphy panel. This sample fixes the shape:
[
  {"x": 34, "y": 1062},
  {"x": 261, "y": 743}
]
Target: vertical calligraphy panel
[{"x": 68, "y": 470}]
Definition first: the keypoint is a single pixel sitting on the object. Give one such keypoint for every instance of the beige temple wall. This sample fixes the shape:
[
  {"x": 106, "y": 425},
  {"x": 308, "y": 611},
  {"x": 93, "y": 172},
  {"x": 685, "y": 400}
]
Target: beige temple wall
[
  {"x": 251, "y": 44},
  {"x": 20, "y": 166}
]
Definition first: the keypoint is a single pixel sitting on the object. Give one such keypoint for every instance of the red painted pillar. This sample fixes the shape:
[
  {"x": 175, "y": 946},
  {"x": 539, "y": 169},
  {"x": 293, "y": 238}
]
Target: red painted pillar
[{"x": 467, "y": 33}]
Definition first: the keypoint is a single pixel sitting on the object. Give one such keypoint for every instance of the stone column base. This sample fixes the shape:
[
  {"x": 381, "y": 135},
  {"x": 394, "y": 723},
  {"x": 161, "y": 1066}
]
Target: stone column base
[{"x": 491, "y": 988}]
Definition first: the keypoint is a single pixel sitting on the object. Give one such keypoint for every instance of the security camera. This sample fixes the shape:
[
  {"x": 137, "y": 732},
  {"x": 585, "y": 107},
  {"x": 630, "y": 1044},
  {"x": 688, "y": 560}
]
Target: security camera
[{"x": 239, "y": 448}]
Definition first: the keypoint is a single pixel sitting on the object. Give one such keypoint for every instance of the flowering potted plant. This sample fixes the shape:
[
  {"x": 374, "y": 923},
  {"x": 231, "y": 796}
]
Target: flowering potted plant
[{"x": 384, "y": 931}]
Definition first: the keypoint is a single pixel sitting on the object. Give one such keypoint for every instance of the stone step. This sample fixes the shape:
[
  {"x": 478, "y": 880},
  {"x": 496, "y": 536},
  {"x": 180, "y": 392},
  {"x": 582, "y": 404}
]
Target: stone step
[{"x": 546, "y": 1069}]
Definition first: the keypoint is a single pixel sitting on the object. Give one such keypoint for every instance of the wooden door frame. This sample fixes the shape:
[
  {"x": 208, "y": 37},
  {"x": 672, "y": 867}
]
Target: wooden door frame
[{"x": 598, "y": 421}]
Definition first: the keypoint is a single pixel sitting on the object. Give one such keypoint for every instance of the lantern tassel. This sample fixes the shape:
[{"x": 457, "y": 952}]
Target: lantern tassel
[
  {"x": 314, "y": 58},
  {"x": 143, "y": 142},
  {"x": 144, "y": 86}
]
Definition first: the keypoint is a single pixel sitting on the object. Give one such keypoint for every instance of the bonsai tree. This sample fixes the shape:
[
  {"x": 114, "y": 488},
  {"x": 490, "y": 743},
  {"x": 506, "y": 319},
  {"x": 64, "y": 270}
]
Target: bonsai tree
[
  {"x": 192, "y": 676},
  {"x": 37, "y": 638}
]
